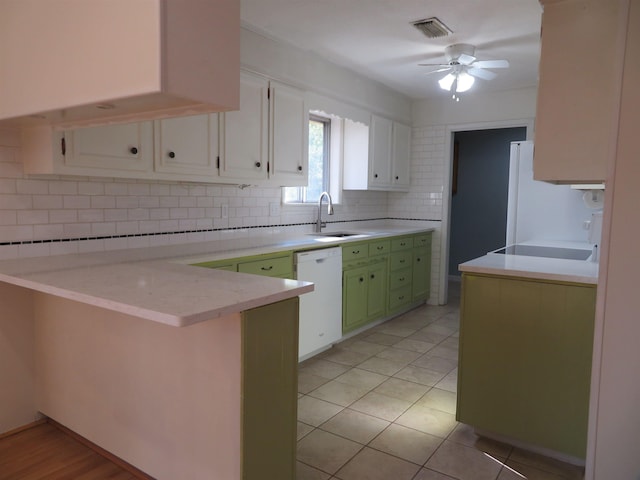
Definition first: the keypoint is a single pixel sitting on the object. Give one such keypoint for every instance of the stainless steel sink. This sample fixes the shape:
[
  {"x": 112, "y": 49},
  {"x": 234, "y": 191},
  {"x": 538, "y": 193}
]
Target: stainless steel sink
[{"x": 338, "y": 234}]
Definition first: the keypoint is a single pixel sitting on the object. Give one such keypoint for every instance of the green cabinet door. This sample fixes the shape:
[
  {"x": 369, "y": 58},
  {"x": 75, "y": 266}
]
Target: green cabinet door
[
  {"x": 421, "y": 274},
  {"x": 377, "y": 290},
  {"x": 525, "y": 360},
  {"x": 354, "y": 298}
]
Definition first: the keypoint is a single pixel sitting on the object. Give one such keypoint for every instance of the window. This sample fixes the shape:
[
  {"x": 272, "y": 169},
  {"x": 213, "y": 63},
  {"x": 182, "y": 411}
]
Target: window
[{"x": 319, "y": 159}]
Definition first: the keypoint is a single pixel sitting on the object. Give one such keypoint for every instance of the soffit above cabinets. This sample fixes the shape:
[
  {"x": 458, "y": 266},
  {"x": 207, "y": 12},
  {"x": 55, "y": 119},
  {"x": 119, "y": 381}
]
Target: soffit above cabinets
[{"x": 71, "y": 63}]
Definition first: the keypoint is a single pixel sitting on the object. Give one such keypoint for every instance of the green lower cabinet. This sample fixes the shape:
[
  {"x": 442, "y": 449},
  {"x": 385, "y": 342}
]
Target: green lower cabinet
[
  {"x": 364, "y": 295},
  {"x": 525, "y": 360},
  {"x": 421, "y": 280},
  {"x": 270, "y": 391}
]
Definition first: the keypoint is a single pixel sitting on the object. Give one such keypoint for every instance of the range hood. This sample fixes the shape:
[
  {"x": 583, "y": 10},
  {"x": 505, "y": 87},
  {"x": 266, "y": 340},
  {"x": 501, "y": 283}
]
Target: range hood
[{"x": 73, "y": 63}]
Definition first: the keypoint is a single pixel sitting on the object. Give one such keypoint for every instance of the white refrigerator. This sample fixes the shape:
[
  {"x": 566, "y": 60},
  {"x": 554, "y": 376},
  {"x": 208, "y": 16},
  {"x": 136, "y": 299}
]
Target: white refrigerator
[{"x": 541, "y": 211}]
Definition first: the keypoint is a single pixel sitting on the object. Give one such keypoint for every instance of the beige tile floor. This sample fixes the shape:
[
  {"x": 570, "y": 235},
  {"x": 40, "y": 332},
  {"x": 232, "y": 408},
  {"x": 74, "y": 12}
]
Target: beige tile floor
[{"x": 381, "y": 406}]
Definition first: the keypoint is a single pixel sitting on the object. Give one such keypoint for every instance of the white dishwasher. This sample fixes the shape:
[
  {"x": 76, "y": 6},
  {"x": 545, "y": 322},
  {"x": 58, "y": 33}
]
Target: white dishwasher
[{"x": 320, "y": 310}]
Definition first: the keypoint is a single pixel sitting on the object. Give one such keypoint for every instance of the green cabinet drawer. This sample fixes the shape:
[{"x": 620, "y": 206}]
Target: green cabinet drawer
[
  {"x": 399, "y": 297},
  {"x": 402, "y": 243},
  {"x": 400, "y": 278},
  {"x": 218, "y": 265},
  {"x": 379, "y": 248},
  {"x": 355, "y": 252},
  {"x": 272, "y": 267},
  {"x": 422, "y": 240},
  {"x": 399, "y": 260}
]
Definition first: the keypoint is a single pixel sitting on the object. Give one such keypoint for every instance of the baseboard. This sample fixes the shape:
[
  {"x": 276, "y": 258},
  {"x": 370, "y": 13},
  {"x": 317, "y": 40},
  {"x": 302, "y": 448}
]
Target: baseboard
[
  {"x": 23, "y": 428},
  {"x": 136, "y": 472}
]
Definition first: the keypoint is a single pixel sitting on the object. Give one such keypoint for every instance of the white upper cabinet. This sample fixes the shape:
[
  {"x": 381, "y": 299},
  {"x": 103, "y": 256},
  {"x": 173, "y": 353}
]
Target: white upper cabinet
[
  {"x": 244, "y": 133},
  {"x": 187, "y": 146},
  {"x": 289, "y": 136},
  {"x": 401, "y": 154},
  {"x": 579, "y": 89},
  {"x": 266, "y": 141},
  {"x": 376, "y": 157},
  {"x": 380, "y": 140},
  {"x": 79, "y": 63},
  {"x": 100, "y": 151}
]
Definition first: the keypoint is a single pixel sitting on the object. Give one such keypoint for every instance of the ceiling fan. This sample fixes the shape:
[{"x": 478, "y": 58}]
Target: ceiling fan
[{"x": 462, "y": 66}]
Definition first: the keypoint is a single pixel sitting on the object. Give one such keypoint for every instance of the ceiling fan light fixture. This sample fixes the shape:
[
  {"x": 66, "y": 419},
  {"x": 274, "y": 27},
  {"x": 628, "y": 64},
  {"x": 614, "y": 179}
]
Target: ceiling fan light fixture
[
  {"x": 446, "y": 82},
  {"x": 465, "y": 82}
]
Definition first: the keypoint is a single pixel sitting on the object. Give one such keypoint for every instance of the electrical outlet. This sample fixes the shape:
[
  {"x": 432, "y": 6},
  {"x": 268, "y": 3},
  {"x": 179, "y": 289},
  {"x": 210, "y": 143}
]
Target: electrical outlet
[
  {"x": 224, "y": 210},
  {"x": 274, "y": 209}
]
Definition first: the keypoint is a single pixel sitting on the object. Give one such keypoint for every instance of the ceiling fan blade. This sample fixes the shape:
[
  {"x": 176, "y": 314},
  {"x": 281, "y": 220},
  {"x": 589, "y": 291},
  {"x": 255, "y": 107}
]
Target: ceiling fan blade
[
  {"x": 465, "y": 59},
  {"x": 434, "y": 65},
  {"x": 491, "y": 64},
  {"x": 484, "y": 74},
  {"x": 437, "y": 71}
]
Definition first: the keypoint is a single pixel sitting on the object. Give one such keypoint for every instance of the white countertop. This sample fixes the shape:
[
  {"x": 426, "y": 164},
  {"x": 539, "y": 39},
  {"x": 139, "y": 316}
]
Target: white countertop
[
  {"x": 541, "y": 268},
  {"x": 158, "y": 283}
]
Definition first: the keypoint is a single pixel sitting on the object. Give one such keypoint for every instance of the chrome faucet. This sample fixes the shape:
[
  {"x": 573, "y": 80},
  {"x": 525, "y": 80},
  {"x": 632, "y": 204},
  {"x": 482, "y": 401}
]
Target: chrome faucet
[{"x": 319, "y": 222}]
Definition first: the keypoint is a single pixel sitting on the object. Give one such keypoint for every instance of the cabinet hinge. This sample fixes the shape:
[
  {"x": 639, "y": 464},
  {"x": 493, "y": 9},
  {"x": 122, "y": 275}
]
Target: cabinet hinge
[{"x": 63, "y": 146}]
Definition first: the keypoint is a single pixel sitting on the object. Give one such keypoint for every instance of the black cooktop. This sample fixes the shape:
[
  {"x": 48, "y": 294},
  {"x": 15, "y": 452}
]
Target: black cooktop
[{"x": 549, "y": 252}]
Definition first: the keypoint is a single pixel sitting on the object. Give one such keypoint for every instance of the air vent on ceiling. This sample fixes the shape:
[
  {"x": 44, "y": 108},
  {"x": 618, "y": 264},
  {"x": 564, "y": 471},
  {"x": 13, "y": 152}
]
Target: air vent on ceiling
[{"x": 432, "y": 27}]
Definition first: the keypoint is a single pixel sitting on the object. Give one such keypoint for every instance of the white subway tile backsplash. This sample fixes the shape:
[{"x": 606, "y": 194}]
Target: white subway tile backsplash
[
  {"x": 63, "y": 188},
  {"x": 8, "y": 217},
  {"x": 90, "y": 188},
  {"x": 16, "y": 202},
  {"x": 91, "y": 215},
  {"x": 32, "y": 217},
  {"x": 13, "y": 233},
  {"x": 8, "y": 185},
  {"x": 102, "y": 201},
  {"x": 76, "y": 201},
  {"x": 63, "y": 216},
  {"x": 32, "y": 187}
]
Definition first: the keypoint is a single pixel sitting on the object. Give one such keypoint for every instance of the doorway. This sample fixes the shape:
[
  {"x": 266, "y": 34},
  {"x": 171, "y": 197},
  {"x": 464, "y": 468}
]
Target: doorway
[{"x": 479, "y": 193}]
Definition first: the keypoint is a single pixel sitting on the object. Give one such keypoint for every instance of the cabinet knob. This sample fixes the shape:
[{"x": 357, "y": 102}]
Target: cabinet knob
[
  {"x": 373, "y": 276},
  {"x": 361, "y": 279},
  {"x": 258, "y": 164},
  {"x": 299, "y": 168},
  {"x": 172, "y": 154},
  {"x": 375, "y": 175},
  {"x": 133, "y": 150},
  {"x": 397, "y": 177},
  {"x": 418, "y": 259}
]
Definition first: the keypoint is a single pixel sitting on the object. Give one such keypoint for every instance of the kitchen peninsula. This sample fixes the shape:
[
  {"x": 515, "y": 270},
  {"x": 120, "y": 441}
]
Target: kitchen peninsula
[
  {"x": 526, "y": 339},
  {"x": 182, "y": 371}
]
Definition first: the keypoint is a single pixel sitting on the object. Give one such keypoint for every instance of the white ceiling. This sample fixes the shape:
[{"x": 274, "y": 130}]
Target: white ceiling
[{"x": 376, "y": 37}]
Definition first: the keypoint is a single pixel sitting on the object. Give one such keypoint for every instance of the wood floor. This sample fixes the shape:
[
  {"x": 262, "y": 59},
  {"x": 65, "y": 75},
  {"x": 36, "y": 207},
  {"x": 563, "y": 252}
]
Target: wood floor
[{"x": 46, "y": 452}]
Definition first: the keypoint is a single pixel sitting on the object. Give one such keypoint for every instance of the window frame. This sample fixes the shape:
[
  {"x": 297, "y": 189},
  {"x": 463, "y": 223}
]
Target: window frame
[{"x": 301, "y": 197}]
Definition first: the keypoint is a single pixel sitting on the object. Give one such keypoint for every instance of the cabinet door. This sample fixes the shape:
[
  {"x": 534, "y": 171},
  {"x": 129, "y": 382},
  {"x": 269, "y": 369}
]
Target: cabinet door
[
  {"x": 380, "y": 152},
  {"x": 187, "y": 145},
  {"x": 401, "y": 161},
  {"x": 421, "y": 283},
  {"x": 111, "y": 149},
  {"x": 244, "y": 133},
  {"x": 289, "y": 136},
  {"x": 354, "y": 298},
  {"x": 577, "y": 104},
  {"x": 377, "y": 290}
]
